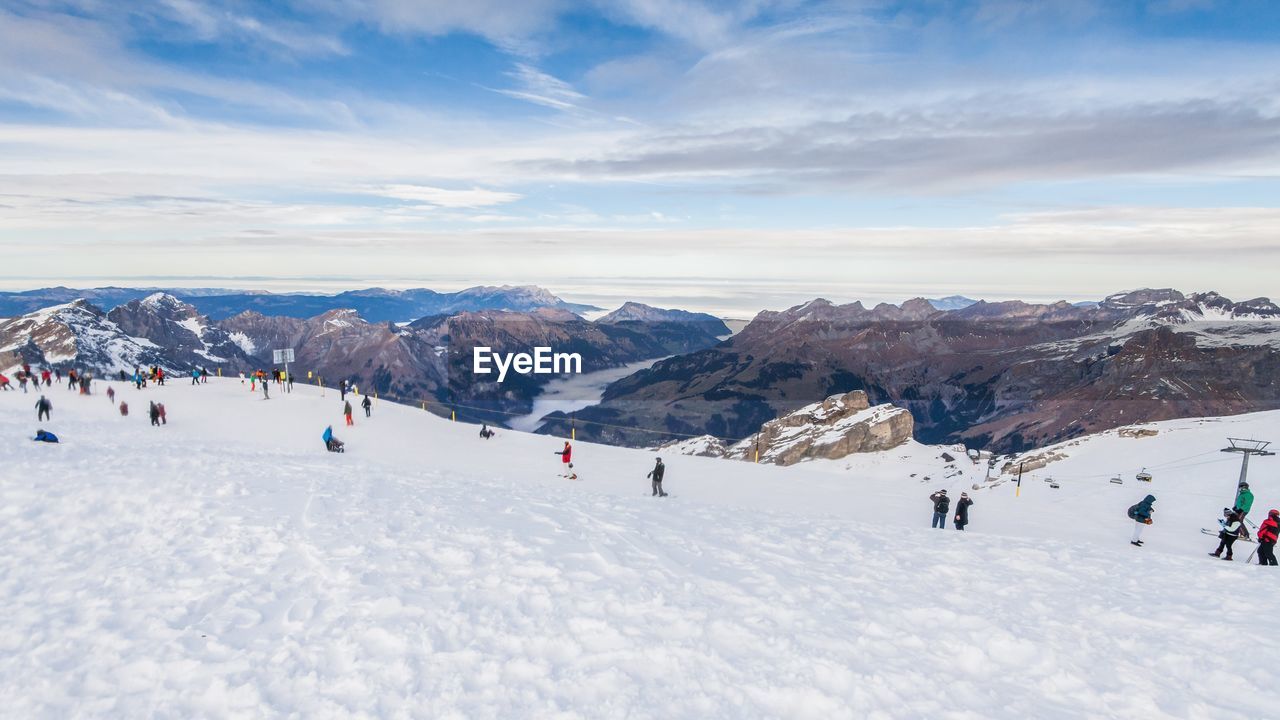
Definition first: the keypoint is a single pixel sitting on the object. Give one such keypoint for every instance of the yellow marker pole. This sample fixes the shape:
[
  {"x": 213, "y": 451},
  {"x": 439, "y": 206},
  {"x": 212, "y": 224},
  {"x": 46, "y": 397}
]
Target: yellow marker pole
[
  {"x": 1018, "y": 492},
  {"x": 573, "y": 428},
  {"x": 424, "y": 404},
  {"x": 375, "y": 397},
  {"x": 757, "y": 448},
  {"x": 453, "y": 415},
  {"x": 219, "y": 372}
]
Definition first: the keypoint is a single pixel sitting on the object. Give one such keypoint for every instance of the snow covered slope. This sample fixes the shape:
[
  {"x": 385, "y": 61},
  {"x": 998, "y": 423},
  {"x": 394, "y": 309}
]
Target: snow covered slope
[{"x": 226, "y": 566}]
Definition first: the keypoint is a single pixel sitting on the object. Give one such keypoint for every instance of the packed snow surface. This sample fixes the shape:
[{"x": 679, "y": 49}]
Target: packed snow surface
[{"x": 224, "y": 565}]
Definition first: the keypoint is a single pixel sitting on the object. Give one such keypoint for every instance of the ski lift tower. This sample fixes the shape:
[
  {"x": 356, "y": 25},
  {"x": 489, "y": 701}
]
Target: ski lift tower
[{"x": 1247, "y": 448}]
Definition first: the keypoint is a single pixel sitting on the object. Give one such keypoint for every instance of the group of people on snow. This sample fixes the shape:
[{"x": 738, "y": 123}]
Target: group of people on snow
[
  {"x": 1232, "y": 526},
  {"x": 942, "y": 503}
]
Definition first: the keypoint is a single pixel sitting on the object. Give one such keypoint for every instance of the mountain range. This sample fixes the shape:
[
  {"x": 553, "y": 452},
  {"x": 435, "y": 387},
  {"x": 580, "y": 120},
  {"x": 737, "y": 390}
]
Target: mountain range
[
  {"x": 428, "y": 359},
  {"x": 373, "y": 304},
  {"x": 1004, "y": 376}
]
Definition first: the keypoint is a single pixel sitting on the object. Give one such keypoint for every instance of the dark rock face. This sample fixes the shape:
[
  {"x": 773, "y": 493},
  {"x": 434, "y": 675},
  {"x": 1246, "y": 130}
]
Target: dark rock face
[
  {"x": 1005, "y": 376},
  {"x": 189, "y": 339},
  {"x": 76, "y": 336}
]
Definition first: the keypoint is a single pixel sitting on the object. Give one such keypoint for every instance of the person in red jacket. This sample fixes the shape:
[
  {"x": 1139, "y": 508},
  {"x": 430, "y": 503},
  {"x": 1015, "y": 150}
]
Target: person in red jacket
[
  {"x": 566, "y": 456},
  {"x": 1267, "y": 533}
]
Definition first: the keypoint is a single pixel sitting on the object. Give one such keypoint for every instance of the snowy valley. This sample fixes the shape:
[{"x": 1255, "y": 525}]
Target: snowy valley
[{"x": 224, "y": 565}]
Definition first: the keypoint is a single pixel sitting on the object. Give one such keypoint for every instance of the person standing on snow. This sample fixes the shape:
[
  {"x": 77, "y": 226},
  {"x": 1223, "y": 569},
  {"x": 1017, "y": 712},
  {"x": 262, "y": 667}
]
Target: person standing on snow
[
  {"x": 656, "y": 474},
  {"x": 1140, "y": 514},
  {"x": 940, "y": 505},
  {"x": 566, "y": 456},
  {"x": 346, "y": 410},
  {"x": 366, "y": 404},
  {"x": 111, "y": 395},
  {"x": 164, "y": 419},
  {"x": 1232, "y": 528},
  {"x": 1267, "y": 533},
  {"x": 4, "y": 383},
  {"x": 1244, "y": 500},
  {"x": 962, "y": 511},
  {"x": 342, "y": 390},
  {"x": 266, "y": 394},
  {"x": 154, "y": 413},
  {"x": 195, "y": 376},
  {"x": 43, "y": 406}
]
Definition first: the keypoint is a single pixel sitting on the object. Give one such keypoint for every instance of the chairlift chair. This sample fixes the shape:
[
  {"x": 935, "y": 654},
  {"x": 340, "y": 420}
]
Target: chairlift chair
[
  {"x": 1144, "y": 476},
  {"x": 1117, "y": 480}
]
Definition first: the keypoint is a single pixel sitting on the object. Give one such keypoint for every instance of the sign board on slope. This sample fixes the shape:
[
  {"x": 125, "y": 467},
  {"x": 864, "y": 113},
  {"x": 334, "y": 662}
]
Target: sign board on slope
[{"x": 282, "y": 356}]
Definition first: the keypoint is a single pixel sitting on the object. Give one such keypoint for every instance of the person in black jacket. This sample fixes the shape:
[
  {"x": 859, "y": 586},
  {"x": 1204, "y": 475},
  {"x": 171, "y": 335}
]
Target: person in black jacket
[
  {"x": 1232, "y": 526},
  {"x": 940, "y": 505},
  {"x": 656, "y": 474},
  {"x": 43, "y": 406},
  {"x": 366, "y": 404},
  {"x": 962, "y": 511}
]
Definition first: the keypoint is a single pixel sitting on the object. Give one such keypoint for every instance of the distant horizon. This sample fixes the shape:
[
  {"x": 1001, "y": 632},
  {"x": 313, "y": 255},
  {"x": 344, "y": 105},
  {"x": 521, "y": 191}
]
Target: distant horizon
[
  {"x": 771, "y": 151},
  {"x": 728, "y": 304}
]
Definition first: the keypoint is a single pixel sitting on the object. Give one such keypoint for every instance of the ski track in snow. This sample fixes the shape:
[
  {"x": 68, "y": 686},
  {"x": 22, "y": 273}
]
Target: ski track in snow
[{"x": 225, "y": 566}]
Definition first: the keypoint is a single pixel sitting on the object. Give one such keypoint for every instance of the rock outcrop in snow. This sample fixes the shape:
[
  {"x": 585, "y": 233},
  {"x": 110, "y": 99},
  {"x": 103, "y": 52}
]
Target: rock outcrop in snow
[{"x": 838, "y": 426}]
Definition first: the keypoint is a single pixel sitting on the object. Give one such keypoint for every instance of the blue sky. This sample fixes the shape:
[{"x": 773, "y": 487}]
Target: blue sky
[{"x": 857, "y": 150}]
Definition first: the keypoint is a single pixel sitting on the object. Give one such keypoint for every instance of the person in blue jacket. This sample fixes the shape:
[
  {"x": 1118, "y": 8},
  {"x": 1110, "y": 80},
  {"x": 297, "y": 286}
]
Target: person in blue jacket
[
  {"x": 331, "y": 443},
  {"x": 45, "y": 436},
  {"x": 1140, "y": 514}
]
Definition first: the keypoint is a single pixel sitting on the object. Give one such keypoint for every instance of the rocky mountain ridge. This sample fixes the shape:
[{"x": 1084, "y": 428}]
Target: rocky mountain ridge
[{"x": 998, "y": 375}]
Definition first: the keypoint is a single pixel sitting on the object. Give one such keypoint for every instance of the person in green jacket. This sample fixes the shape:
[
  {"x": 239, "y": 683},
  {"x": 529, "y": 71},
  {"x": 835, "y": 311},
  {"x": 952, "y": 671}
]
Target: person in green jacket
[{"x": 1244, "y": 500}]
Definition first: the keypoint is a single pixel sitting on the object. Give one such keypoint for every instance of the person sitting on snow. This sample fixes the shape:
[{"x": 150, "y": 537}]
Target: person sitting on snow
[
  {"x": 331, "y": 443},
  {"x": 45, "y": 436},
  {"x": 485, "y": 432}
]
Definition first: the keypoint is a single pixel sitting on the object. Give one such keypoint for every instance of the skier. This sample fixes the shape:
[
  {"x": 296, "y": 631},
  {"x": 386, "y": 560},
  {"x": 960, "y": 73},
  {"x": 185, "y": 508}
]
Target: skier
[
  {"x": 342, "y": 390},
  {"x": 266, "y": 394},
  {"x": 154, "y": 412},
  {"x": 43, "y": 406},
  {"x": 346, "y": 410},
  {"x": 195, "y": 376},
  {"x": 164, "y": 419},
  {"x": 47, "y": 377},
  {"x": 331, "y": 443},
  {"x": 566, "y": 457},
  {"x": 4, "y": 383},
  {"x": 288, "y": 383},
  {"x": 1140, "y": 514},
  {"x": 940, "y": 504},
  {"x": 124, "y": 409},
  {"x": 22, "y": 381},
  {"x": 1244, "y": 500},
  {"x": 485, "y": 432},
  {"x": 366, "y": 404},
  {"x": 45, "y": 436},
  {"x": 962, "y": 511},
  {"x": 1232, "y": 528},
  {"x": 204, "y": 376},
  {"x": 111, "y": 395},
  {"x": 656, "y": 473},
  {"x": 1267, "y": 533}
]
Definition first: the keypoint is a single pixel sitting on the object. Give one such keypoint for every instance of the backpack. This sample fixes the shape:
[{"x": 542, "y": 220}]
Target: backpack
[{"x": 1133, "y": 511}]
